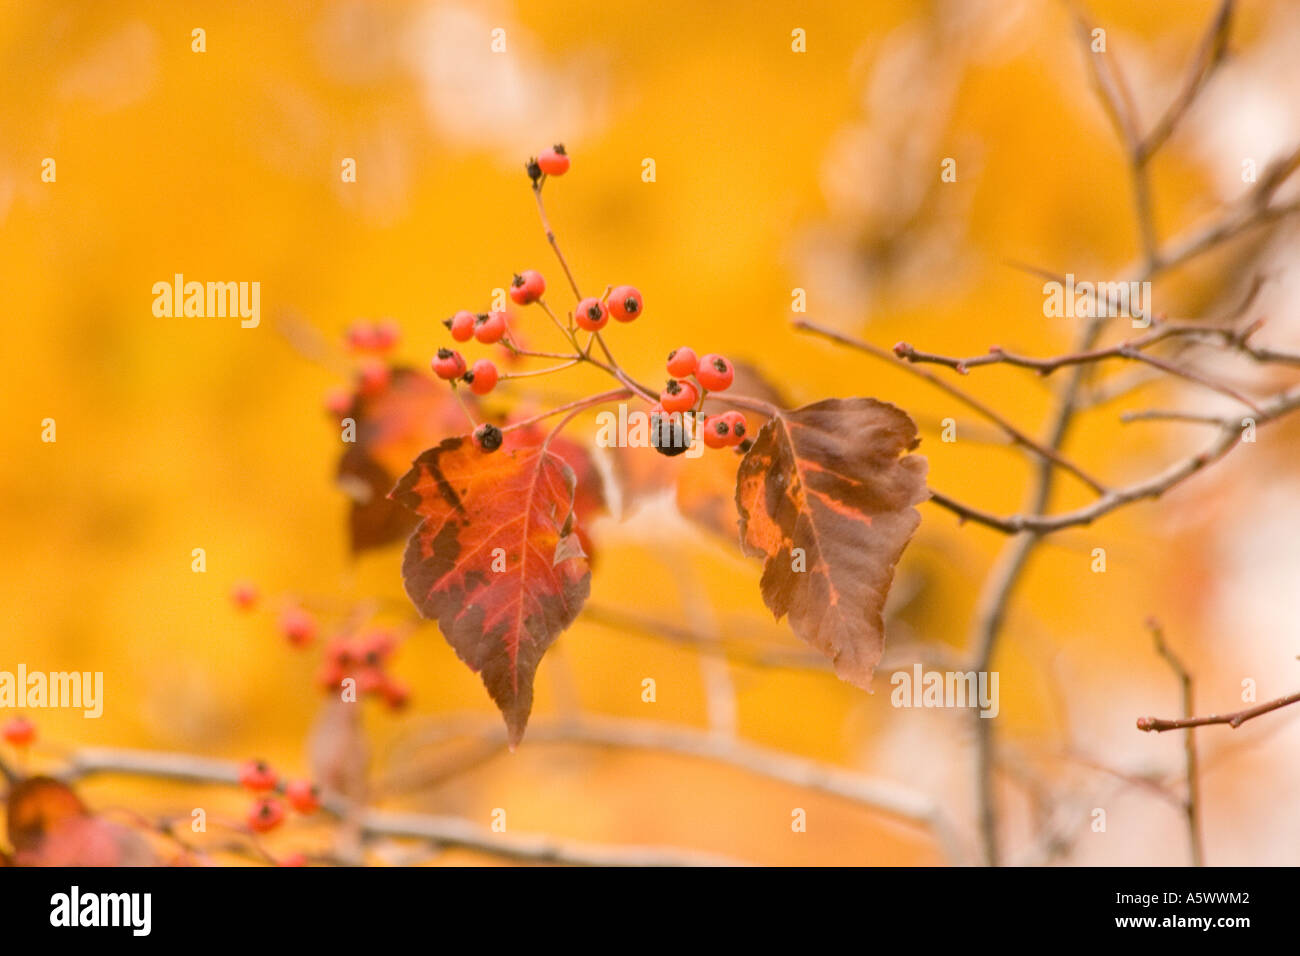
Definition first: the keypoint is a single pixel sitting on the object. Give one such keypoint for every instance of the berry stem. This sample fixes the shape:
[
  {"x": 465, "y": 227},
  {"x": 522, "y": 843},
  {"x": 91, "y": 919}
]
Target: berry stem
[
  {"x": 550, "y": 237},
  {"x": 574, "y": 406},
  {"x": 539, "y": 371},
  {"x": 468, "y": 414}
]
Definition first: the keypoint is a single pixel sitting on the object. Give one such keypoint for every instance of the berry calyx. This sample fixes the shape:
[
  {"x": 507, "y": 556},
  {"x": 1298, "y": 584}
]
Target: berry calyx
[
  {"x": 461, "y": 325},
  {"x": 298, "y": 626},
  {"x": 488, "y": 437},
  {"x": 303, "y": 796},
  {"x": 591, "y": 315},
  {"x": 716, "y": 432},
  {"x": 625, "y": 303},
  {"x": 482, "y": 377},
  {"x": 682, "y": 362},
  {"x": 527, "y": 286},
  {"x": 490, "y": 327},
  {"x": 18, "y": 731},
  {"x": 244, "y": 595},
  {"x": 448, "y": 364},
  {"x": 534, "y": 170},
  {"x": 266, "y": 814},
  {"x": 553, "y": 161},
  {"x": 736, "y": 423},
  {"x": 257, "y": 775},
  {"x": 678, "y": 396},
  {"x": 715, "y": 372},
  {"x": 668, "y": 434}
]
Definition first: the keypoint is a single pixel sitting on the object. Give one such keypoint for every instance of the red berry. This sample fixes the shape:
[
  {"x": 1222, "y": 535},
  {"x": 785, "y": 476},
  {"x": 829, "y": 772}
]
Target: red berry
[
  {"x": 591, "y": 315},
  {"x": 293, "y": 859},
  {"x": 678, "y": 396},
  {"x": 716, "y": 432},
  {"x": 715, "y": 372},
  {"x": 266, "y": 814},
  {"x": 303, "y": 795},
  {"x": 682, "y": 362},
  {"x": 370, "y": 680},
  {"x": 257, "y": 775},
  {"x": 490, "y": 327},
  {"x": 482, "y": 377},
  {"x": 244, "y": 595},
  {"x": 338, "y": 401},
  {"x": 372, "y": 376},
  {"x": 527, "y": 287},
  {"x": 488, "y": 437},
  {"x": 448, "y": 364},
  {"x": 553, "y": 161},
  {"x": 298, "y": 626},
  {"x": 625, "y": 303},
  {"x": 396, "y": 694},
  {"x": 386, "y": 335},
  {"x": 360, "y": 336},
  {"x": 736, "y": 423},
  {"x": 19, "y": 731},
  {"x": 462, "y": 325},
  {"x": 373, "y": 648}
]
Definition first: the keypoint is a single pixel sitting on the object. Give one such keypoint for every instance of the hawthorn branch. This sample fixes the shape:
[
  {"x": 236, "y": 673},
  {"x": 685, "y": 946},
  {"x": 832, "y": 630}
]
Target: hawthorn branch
[
  {"x": 883, "y": 796},
  {"x": 1234, "y": 720},
  {"x": 444, "y": 831},
  {"x": 1016, "y": 435},
  {"x": 1038, "y": 523},
  {"x": 1191, "y": 804}
]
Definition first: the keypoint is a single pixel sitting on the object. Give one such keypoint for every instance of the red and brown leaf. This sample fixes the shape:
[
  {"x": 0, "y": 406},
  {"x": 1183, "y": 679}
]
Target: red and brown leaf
[
  {"x": 834, "y": 480},
  {"x": 50, "y": 826},
  {"x": 589, "y": 499},
  {"x": 499, "y": 609},
  {"x": 394, "y": 424}
]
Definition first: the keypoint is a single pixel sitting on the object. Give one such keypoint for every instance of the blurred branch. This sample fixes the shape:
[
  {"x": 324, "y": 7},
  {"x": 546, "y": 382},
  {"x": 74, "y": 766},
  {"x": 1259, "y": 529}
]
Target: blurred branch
[
  {"x": 883, "y": 796},
  {"x": 442, "y": 830},
  {"x": 1191, "y": 803},
  {"x": 1017, "y": 436},
  {"x": 1038, "y": 523}
]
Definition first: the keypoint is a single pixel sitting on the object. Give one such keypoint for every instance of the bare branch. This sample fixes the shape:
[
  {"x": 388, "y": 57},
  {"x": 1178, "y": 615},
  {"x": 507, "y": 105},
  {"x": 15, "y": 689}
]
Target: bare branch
[
  {"x": 1191, "y": 804},
  {"x": 442, "y": 830}
]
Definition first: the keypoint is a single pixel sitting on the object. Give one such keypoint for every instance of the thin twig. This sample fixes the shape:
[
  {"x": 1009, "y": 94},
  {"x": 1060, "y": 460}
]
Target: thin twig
[
  {"x": 1191, "y": 804},
  {"x": 1017, "y": 436},
  {"x": 1233, "y": 720}
]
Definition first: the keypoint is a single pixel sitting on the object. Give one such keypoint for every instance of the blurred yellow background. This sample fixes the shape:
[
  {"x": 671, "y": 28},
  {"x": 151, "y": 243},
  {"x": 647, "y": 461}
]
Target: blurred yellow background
[{"x": 775, "y": 170}]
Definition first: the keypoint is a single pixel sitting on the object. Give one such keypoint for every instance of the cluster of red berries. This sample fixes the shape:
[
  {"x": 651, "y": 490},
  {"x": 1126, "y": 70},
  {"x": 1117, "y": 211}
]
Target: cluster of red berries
[
  {"x": 372, "y": 337},
  {"x": 267, "y": 811},
  {"x": 364, "y": 658},
  {"x": 693, "y": 378},
  {"x": 18, "y": 732}
]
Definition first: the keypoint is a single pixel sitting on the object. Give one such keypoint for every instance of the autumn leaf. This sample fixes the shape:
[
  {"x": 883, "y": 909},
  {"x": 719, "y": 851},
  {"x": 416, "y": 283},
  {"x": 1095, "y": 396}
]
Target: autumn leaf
[
  {"x": 589, "y": 497},
  {"x": 828, "y": 479},
  {"x": 394, "y": 423},
  {"x": 49, "y": 825},
  {"x": 495, "y": 560}
]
